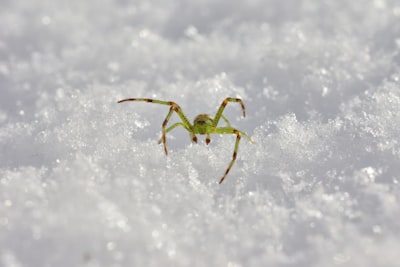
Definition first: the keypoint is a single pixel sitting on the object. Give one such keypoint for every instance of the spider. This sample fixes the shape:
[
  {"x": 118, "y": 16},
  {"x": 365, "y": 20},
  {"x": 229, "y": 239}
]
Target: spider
[{"x": 202, "y": 124}]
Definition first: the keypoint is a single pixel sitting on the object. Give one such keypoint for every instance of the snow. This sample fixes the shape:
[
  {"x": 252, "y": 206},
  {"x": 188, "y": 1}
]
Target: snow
[{"x": 83, "y": 181}]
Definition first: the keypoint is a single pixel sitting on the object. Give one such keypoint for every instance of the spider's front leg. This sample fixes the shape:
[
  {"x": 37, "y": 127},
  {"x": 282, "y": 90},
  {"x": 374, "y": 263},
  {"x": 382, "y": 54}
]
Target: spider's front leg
[
  {"x": 164, "y": 131},
  {"x": 173, "y": 107},
  {"x": 235, "y": 150},
  {"x": 185, "y": 124},
  {"x": 218, "y": 115},
  {"x": 192, "y": 135},
  {"x": 239, "y": 134}
]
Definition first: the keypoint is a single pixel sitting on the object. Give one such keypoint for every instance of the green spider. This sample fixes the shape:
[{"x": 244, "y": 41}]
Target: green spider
[{"x": 202, "y": 124}]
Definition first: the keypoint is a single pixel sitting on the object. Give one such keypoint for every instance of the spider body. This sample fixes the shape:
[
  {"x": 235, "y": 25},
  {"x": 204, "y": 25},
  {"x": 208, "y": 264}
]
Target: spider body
[{"x": 203, "y": 124}]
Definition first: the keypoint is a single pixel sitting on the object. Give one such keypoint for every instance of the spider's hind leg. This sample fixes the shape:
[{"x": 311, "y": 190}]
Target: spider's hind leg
[{"x": 226, "y": 120}]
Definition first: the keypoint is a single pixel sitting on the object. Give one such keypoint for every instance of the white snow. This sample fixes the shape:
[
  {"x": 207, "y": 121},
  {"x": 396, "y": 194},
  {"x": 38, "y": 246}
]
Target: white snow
[{"x": 83, "y": 181}]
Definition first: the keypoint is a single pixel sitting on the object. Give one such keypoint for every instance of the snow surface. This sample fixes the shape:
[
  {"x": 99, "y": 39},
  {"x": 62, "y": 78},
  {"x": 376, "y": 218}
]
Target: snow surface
[{"x": 83, "y": 181}]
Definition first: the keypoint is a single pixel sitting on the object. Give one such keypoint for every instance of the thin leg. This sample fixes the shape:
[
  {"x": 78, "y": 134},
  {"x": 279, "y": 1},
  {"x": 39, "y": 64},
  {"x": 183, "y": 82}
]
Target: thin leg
[
  {"x": 230, "y": 130},
  {"x": 226, "y": 120},
  {"x": 222, "y": 107},
  {"x": 163, "y": 138},
  {"x": 247, "y": 137},
  {"x": 235, "y": 151},
  {"x": 172, "y": 127},
  {"x": 164, "y": 132},
  {"x": 173, "y": 105}
]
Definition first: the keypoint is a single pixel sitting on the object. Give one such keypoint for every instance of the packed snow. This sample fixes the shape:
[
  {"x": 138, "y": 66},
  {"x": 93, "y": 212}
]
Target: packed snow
[{"x": 84, "y": 182}]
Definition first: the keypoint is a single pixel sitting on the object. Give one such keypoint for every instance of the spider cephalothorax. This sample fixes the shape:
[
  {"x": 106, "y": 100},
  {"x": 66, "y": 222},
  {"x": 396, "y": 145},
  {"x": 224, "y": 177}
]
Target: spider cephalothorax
[{"x": 202, "y": 124}]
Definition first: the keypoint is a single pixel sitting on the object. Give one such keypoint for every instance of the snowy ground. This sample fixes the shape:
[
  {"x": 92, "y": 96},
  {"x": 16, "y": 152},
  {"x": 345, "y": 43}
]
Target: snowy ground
[{"x": 83, "y": 181}]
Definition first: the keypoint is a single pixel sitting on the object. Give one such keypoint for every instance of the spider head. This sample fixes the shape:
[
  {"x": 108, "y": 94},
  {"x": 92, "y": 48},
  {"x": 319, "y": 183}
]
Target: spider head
[{"x": 203, "y": 124}]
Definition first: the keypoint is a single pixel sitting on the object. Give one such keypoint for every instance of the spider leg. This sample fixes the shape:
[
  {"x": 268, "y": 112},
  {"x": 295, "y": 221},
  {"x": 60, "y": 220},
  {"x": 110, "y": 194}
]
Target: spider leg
[
  {"x": 239, "y": 134},
  {"x": 226, "y": 120},
  {"x": 171, "y": 128},
  {"x": 229, "y": 130},
  {"x": 173, "y": 107},
  {"x": 247, "y": 137},
  {"x": 218, "y": 115},
  {"x": 163, "y": 138},
  {"x": 164, "y": 132}
]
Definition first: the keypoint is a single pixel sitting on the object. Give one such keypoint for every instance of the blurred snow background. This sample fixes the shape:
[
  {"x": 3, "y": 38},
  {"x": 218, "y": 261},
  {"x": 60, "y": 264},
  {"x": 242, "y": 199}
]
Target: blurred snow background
[{"x": 83, "y": 181}]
